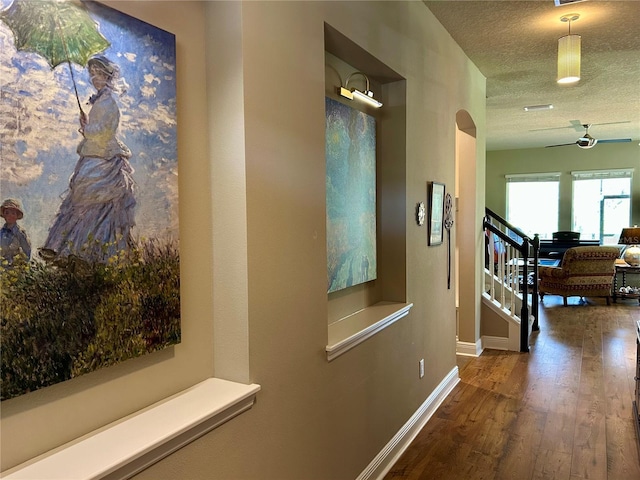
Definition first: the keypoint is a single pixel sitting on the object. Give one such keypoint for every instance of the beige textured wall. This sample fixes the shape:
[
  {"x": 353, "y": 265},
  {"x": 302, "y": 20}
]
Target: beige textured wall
[
  {"x": 470, "y": 236},
  {"x": 493, "y": 325},
  {"x": 312, "y": 419},
  {"x": 564, "y": 160}
]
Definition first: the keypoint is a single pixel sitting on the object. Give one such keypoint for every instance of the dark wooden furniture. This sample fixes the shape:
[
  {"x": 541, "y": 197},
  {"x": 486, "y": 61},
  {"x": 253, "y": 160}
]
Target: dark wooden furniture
[
  {"x": 636, "y": 401},
  {"x": 623, "y": 270},
  {"x": 556, "y": 248},
  {"x": 565, "y": 235}
]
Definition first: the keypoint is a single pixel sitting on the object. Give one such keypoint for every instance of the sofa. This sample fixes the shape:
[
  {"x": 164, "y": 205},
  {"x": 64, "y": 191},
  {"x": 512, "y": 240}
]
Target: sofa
[{"x": 583, "y": 272}]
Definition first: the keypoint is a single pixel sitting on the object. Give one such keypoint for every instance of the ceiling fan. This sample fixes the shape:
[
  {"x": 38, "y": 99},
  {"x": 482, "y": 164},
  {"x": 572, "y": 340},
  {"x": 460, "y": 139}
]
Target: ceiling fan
[{"x": 587, "y": 141}]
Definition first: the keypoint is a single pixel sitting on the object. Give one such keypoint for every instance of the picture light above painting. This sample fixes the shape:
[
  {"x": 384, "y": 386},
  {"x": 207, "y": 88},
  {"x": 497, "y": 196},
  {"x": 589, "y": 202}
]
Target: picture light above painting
[{"x": 366, "y": 95}]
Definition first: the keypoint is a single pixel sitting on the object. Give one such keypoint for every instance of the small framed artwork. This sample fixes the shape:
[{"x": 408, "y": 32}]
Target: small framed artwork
[
  {"x": 421, "y": 213},
  {"x": 436, "y": 212}
]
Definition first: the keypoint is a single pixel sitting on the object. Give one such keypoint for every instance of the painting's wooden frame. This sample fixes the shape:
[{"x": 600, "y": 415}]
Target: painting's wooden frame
[{"x": 436, "y": 192}]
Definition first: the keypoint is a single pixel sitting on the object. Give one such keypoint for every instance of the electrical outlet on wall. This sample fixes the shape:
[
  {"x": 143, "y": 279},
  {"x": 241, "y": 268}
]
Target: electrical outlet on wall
[{"x": 421, "y": 367}]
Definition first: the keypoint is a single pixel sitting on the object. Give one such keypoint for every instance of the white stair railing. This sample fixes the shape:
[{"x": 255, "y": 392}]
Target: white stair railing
[
  {"x": 503, "y": 284},
  {"x": 510, "y": 273}
]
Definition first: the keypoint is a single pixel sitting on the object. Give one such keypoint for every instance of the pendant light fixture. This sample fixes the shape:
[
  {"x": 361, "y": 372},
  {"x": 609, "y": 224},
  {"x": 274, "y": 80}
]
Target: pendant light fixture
[{"x": 569, "y": 53}]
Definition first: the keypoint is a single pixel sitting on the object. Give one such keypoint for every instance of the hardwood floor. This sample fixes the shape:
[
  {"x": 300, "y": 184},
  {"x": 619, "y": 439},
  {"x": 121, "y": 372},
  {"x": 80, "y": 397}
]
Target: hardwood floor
[{"x": 562, "y": 411}]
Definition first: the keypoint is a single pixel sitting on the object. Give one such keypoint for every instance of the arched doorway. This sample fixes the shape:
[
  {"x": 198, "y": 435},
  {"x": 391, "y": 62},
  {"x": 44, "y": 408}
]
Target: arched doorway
[{"x": 469, "y": 208}]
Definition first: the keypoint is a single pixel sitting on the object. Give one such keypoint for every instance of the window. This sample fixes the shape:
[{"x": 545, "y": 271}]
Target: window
[
  {"x": 528, "y": 196},
  {"x": 601, "y": 204}
]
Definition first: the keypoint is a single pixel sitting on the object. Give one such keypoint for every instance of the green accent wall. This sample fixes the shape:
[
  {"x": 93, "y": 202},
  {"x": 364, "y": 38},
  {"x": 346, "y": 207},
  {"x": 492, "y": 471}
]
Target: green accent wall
[{"x": 564, "y": 160}]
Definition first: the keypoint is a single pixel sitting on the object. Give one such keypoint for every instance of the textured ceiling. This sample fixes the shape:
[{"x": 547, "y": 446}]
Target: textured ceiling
[{"x": 514, "y": 44}]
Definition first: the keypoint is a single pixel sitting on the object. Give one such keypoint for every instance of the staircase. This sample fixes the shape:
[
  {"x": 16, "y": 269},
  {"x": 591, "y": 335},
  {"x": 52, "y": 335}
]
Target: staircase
[{"x": 510, "y": 277}]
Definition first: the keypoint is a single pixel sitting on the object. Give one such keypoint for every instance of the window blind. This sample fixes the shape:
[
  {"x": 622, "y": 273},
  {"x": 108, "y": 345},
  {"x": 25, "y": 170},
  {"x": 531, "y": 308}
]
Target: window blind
[
  {"x": 533, "y": 177},
  {"x": 602, "y": 174}
]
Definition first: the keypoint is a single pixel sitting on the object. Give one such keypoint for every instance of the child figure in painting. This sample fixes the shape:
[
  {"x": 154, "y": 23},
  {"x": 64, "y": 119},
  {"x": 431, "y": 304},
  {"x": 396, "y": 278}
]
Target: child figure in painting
[
  {"x": 14, "y": 241},
  {"x": 96, "y": 216}
]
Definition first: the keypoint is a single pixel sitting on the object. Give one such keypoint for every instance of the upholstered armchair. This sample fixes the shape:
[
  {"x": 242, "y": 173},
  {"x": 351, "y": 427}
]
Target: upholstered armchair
[{"x": 583, "y": 272}]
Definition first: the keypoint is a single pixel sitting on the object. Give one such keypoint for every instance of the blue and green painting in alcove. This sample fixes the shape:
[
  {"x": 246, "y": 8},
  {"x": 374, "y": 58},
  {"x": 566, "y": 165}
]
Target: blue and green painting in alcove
[{"x": 351, "y": 196}]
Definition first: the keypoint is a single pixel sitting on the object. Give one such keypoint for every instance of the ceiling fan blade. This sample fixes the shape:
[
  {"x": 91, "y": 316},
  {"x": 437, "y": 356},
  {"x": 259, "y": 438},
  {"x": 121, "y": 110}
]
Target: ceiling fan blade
[
  {"x": 548, "y": 128},
  {"x": 577, "y": 125},
  {"x": 615, "y": 140},
  {"x": 561, "y": 145}
]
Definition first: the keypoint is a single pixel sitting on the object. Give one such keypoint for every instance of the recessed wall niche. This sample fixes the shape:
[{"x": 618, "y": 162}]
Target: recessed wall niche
[{"x": 357, "y": 312}]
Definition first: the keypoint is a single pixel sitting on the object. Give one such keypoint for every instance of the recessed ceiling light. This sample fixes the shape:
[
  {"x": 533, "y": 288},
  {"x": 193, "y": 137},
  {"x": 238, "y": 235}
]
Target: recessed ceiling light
[
  {"x": 560, "y": 3},
  {"x": 534, "y": 108}
]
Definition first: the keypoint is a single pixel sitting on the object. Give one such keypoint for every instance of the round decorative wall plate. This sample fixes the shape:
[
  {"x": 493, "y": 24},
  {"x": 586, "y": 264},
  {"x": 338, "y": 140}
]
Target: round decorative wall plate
[{"x": 420, "y": 213}]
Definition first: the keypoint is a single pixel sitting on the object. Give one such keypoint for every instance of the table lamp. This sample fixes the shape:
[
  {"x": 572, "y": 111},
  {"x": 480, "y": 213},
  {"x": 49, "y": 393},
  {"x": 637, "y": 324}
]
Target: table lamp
[{"x": 631, "y": 237}]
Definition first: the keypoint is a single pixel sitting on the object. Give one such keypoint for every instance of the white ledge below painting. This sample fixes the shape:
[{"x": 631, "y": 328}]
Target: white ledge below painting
[
  {"x": 133, "y": 444},
  {"x": 354, "y": 329}
]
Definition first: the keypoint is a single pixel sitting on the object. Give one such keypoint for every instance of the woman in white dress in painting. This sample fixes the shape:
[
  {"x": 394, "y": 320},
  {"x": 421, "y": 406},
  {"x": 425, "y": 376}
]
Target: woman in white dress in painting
[{"x": 97, "y": 214}]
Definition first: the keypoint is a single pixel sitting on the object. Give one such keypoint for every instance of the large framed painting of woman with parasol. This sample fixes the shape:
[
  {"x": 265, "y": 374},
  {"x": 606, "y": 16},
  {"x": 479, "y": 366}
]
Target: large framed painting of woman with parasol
[{"x": 89, "y": 265}]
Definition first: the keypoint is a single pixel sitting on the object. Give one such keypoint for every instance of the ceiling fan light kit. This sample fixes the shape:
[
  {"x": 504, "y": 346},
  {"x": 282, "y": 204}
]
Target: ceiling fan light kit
[
  {"x": 560, "y": 3},
  {"x": 569, "y": 53},
  {"x": 587, "y": 141}
]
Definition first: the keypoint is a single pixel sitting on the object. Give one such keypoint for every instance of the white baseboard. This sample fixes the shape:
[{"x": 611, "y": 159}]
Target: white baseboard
[
  {"x": 469, "y": 349},
  {"x": 390, "y": 454},
  {"x": 487, "y": 341},
  {"x": 496, "y": 343}
]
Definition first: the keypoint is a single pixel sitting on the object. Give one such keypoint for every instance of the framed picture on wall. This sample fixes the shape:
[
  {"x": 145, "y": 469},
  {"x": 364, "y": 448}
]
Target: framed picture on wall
[
  {"x": 89, "y": 161},
  {"x": 436, "y": 212},
  {"x": 351, "y": 196}
]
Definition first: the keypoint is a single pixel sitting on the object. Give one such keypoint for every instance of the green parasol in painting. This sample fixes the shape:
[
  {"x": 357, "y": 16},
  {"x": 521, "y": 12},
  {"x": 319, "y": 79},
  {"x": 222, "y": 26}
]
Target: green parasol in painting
[{"x": 58, "y": 30}]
